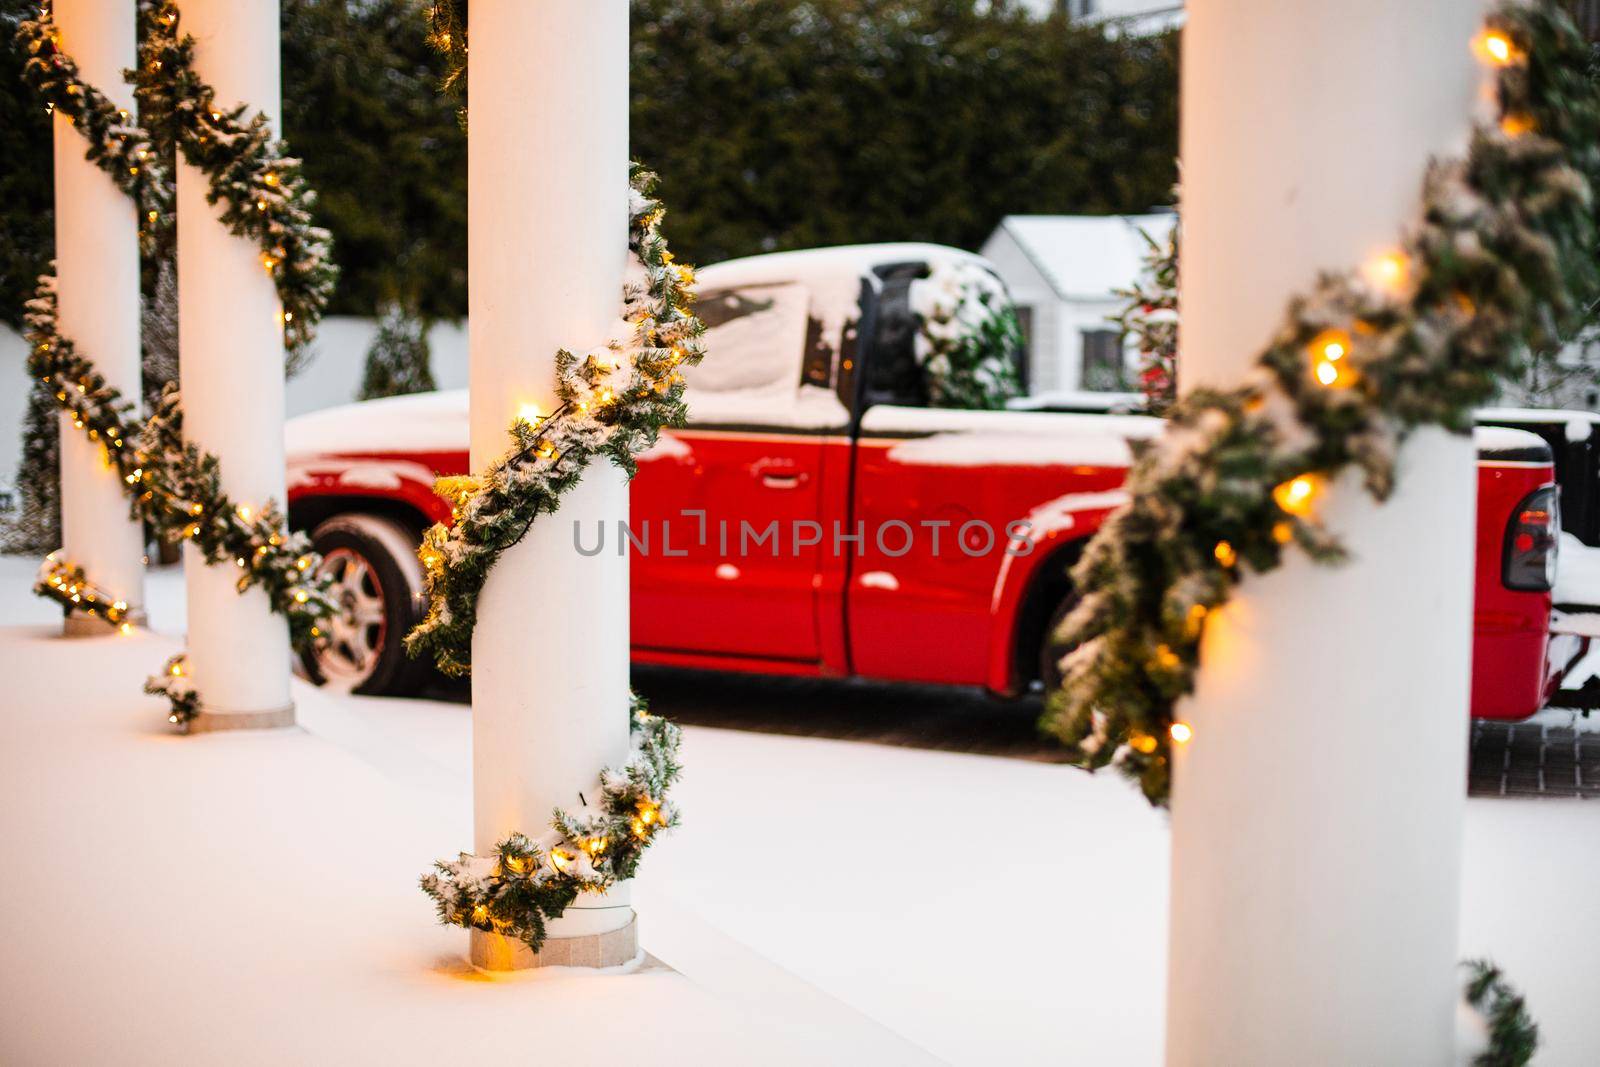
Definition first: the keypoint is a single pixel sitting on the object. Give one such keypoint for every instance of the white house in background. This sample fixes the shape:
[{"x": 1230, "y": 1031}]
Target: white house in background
[
  {"x": 1062, "y": 271},
  {"x": 1126, "y": 16}
]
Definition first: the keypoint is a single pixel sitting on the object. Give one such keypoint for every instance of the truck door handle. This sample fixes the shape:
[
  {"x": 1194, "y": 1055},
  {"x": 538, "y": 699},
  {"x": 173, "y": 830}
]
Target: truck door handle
[{"x": 779, "y": 474}]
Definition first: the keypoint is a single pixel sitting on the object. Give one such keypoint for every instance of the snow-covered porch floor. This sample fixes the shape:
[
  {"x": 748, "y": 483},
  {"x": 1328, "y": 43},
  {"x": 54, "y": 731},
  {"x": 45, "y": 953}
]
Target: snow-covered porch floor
[{"x": 251, "y": 898}]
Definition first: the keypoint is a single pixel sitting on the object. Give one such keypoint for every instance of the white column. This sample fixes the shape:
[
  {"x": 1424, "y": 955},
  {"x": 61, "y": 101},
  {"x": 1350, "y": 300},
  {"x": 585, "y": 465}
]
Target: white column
[
  {"x": 1317, "y": 811},
  {"x": 230, "y": 344},
  {"x": 97, "y": 282},
  {"x": 547, "y": 161}
]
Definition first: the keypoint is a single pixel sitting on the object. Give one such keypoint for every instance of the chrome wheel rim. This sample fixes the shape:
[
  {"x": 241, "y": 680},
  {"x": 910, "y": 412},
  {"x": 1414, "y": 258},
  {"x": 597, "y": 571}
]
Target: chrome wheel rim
[{"x": 352, "y": 641}]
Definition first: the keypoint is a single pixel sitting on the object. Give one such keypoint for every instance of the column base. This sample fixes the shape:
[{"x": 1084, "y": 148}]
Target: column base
[
  {"x": 80, "y": 625},
  {"x": 212, "y": 721},
  {"x": 496, "y": 952}
]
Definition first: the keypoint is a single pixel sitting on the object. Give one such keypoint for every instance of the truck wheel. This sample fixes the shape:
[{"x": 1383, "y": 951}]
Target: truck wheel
[
  {"x": 1050, "y": 652},
  {"x": 377, "y": 579}
]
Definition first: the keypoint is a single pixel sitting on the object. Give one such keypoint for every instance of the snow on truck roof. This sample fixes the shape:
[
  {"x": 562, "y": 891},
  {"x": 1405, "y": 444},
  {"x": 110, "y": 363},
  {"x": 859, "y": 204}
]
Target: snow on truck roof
[{"x": 850, "y": 261}]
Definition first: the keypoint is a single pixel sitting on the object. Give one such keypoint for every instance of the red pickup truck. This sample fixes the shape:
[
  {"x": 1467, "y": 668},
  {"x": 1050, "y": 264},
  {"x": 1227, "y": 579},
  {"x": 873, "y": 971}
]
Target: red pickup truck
[{"x": 818, "y": 517}]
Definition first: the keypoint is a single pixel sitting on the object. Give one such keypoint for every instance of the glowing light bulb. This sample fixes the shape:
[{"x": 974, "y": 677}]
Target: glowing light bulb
[
  {"x": 1180, "y": 732},
  {"x": 1496, "y": 47},
  {"x": 1296, "y": 495},
  {"x": 1389, "y": 270},
  {"x": 530, "y": 414},
  {"x": 1225, "y": 554},
  {"x": 1518, "y": 123}
]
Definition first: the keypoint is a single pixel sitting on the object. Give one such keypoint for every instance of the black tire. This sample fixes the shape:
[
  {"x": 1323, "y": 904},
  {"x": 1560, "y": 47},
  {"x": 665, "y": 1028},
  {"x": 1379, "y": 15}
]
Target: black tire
[
  {"x": 1050, "y": 652},
  {"x": 374, "y": 562}
]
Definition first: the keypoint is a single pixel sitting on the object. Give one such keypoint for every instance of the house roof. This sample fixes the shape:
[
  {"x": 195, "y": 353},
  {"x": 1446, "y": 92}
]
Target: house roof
[{"x": 1084, "y": 257}]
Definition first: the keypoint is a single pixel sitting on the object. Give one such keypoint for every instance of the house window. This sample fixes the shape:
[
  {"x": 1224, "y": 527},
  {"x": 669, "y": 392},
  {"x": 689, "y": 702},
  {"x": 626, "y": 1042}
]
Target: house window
[
  {"x": 1025, "y": 353},
  {"x": 1102, "y": 361}
]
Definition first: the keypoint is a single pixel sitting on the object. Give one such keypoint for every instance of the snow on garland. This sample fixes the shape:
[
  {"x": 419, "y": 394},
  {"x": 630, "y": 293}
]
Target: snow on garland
[
  {"x": 1508, "y": 1034},
  {"x": 117, "y": 145},
  {"x": 527, "y": 882},
  {"x": 1501, "y": 259},
  {"x": 67, "y": 585},
  {"x": 264, "y": 195},
  {"x": 170, "y": 482},
  {"x": 968, "y": 336},
  {"x": 613, "y": 402}
]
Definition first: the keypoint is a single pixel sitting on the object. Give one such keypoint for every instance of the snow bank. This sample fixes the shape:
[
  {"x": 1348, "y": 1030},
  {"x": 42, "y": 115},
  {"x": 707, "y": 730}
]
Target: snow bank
[
  {"x": 1577, "y": 572},
  {"x": 260, "y": 890}
]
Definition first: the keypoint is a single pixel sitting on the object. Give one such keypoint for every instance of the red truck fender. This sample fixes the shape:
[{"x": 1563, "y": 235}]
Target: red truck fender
[
  {"x": 327, "y": 484},
  {"x": 1056, "y": 532}
]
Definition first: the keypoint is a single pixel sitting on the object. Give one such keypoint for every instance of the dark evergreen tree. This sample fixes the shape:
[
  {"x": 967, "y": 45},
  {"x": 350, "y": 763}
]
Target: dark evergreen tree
[
  {"x": 27, "y": 230},
  {"x": 383, "y": 150},
  {"x": 27, "y": 243},
  {"x": 398, "y": 359},
  {"x": 781, "y": 124}
]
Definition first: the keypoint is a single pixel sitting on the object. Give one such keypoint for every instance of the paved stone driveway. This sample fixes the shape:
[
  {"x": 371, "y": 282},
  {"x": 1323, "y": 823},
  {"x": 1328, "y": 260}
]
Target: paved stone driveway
[{"x": 1534, "y": 759}]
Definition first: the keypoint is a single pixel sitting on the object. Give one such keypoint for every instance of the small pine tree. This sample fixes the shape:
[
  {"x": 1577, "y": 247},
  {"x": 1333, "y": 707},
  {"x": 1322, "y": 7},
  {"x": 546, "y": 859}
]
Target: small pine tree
[
  {"x": 159, "y": 332},
  {"x": 36, "y": 524},
  {"x": 398, "y": 360},
  {"x": 1150, "y": 318}
]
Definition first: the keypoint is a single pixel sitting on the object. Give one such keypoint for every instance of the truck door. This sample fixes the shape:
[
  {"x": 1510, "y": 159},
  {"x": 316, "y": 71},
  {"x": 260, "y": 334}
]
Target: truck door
[{"x": 731, "y": 505}]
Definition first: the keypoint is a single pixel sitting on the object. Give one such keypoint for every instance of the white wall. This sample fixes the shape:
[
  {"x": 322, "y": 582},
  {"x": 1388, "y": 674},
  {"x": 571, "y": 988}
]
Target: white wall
[
  {"x": 1029, "y": 289},
  {"x": 14, "y": 389},
  {"x": 334, "y": 376}
]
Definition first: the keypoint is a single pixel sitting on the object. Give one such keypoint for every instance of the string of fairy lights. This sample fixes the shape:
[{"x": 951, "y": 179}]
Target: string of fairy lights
[
  {"x": 170, "y": 482},
  {"x": 524, "y": 883},
  {"x": 1501, "y": 260},
  {"x": 250, "y": 173}
]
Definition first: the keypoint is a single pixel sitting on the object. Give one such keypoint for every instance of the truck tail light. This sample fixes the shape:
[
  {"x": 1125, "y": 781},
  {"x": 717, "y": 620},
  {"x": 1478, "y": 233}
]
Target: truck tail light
[{"x": 1530, "y": 549}]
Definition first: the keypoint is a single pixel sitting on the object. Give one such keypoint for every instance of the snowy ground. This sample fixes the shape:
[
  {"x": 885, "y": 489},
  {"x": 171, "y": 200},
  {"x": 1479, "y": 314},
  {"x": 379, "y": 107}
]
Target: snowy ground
[{"x": 251, "y": 898}]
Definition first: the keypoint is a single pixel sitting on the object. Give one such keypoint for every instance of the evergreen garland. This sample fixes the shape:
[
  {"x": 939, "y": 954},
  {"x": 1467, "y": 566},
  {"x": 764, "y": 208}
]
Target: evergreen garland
[
  {"x": 1513, "y": 1035},
  {"x": 1151, "y": 319},
  {"x": 116, "y": 143},
  {"x": 525, "y": 882},
  {"x": 447, "y": 33},
  {"x": 67, "y": 585},
  {"x": 264, "y": 196},
  {"x": 613, "y": 402},
  {"x": 1503, "y": 258}
]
